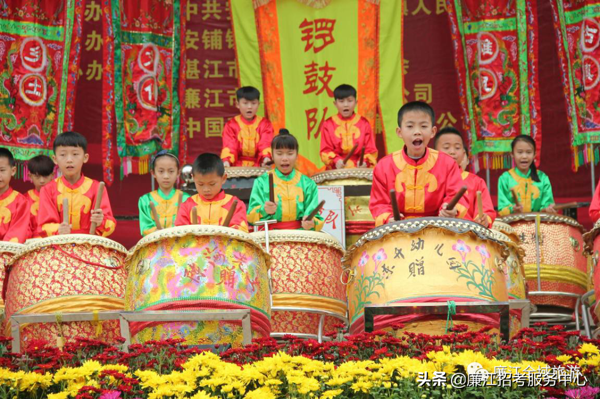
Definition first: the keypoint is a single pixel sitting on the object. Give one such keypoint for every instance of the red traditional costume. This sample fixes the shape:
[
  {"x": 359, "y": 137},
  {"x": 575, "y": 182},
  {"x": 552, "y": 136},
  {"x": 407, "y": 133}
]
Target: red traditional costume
[
  {"x": 33, "y": 196},
  {"x": 82, "y": 200},
  {"x": 339, "y": 135},
  {"x": 422, "y": 186},
  {"x": 213, "y": 212},
  {"x": 475, "y": 183},
  {"x": 14, "y": 217},
  {"x": 595, "y": 205},
  {"x": 247, "y": 143}
]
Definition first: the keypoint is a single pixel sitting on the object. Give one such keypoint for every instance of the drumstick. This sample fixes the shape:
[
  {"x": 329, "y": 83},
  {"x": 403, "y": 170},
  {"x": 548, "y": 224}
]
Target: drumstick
[
  {"x": 98, "y": 204},
  {"x": 155, "y": 216},
  {"x": 65, "y": 210},
  {"x": 179, "y": 201},
  {"x": 194, "y": 215},
  {"x": 479, "y": 205},
  {"x": 515, "y": 196},
  {"x": 271, "y": 188},
  {"x": 315, "y": 211},
  {"x": 352, "y": 151},
  {"x": 230, "y": 213},
  {"x": 567, "y": 205},
  {"x": 362, "y": 157},
  {"x": 395, "y": 210},
  {"x": 456, "y": 198}
]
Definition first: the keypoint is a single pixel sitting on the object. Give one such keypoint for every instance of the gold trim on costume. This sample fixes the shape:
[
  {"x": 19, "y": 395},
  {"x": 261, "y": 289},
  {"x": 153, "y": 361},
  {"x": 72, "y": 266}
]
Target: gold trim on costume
[
  {"x": 414, "y": 197},
  {"x": 525, "y": 189}
]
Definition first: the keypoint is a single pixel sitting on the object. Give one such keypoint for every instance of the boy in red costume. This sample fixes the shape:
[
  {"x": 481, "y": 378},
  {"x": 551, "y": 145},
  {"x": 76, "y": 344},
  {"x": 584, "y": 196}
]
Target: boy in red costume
[
  {"x": 247, "y": 137},
  {"x": 41, "y": 171},
  {"x": 14, "y": 207},
  {"x": 340, "y": 133},
  {"x": 70, "y": 153},
  {"x": 425, "y": 180}
]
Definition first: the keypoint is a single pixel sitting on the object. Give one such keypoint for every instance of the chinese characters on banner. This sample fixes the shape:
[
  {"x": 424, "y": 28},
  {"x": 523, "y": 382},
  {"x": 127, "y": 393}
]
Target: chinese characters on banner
[
  {"x": 211, "y": 74},
  {"x": 496, "y": 60},
  {"x": 333, "y": 212},
  {"x": 39, "y": 59},
  {"x": 577, "y": 26}
]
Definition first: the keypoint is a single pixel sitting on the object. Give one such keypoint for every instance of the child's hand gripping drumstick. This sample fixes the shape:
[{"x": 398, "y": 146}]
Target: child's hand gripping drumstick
[
  {"x": 194, "y": 215},
  {"x": 394, "y": 201},
  {"x": 342, "y": 164},
  {"x": 307, "y": 221},
  {"x": 448, "y": 210},
  {"x": 271, "y": 206},
  {"x": 155, "y": 216},
  {"x": 97, "y": 214},
  {"x": 518, "y": 208},
  {"x": 65, "y": 227},
  {"x": 481, "y": 218}
]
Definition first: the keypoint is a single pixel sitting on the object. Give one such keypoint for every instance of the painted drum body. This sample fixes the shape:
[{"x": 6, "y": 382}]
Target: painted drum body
[
  {"x": 563, "y": 265},
  {"x": 67, "y": 274},
  {"x": 358, "y": 216},
  {"x": 7, "y": 253},
  {"x": 305, "y": 272},
  {"x": 425, "y": 260},
  {"x": 198, "y": 268}
]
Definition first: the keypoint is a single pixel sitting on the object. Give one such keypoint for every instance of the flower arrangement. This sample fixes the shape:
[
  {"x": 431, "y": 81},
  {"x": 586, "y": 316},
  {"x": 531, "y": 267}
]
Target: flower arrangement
[{"x": 370, "y": 365}]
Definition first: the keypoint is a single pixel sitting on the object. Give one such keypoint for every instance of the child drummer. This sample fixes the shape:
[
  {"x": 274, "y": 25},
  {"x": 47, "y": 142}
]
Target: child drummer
[
  {"x": 70, "y": 154},
  {"x": 14, "y": 207},
  {"x": 295, "y": 196},
  {"x": 166, "y": 199},
  {"x": 346, "y": 131},
  {"x": 41, "y": 172},
  {"x": 425, "y": 180},
  {"x": 449, "y": 141},
  {"x": 211, "y": 205}
]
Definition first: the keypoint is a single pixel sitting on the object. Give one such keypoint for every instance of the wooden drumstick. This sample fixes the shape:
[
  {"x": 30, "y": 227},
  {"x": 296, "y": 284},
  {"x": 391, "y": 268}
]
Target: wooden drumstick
[
  {"x": 394, "y": 201},
  {"x": 315, "y": 211},
  {"x": 179, "y": 201},
  {"x": 98, "y": 205},
  {"x": 155, "y": 216},
  {"x": 559, "y": 207},
  {"x": 456, "y": 198},
  {"x": 271, "y": 188},
  {"x": 230, "y": 214},
  {"x": 65, "y": 210},
  {"x": 352, "y": 151},
  {"x": 515, "y": 196},
  {"x": 194, "y": 215},
  {"x": 362, "y": 157},
  {"x": 479, "y": 205}
]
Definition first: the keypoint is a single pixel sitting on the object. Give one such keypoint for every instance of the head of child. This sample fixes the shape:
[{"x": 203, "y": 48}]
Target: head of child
[
  {"x": 41, "y": 171},
  {"x": 8, "y": 169},
  {"x": 70, "y": 153},
  {"x": 248, "y": 100},
  {"x": 209, "y": 175},
  {"x": 523, "y": 152},
  {"x": 345, "y": 100},
  {"x": 416, "y": 127},
  {"x": 165, "y": 169},
  {"x": 449, "y": 140},
  {"x": 284, "y": 148}
]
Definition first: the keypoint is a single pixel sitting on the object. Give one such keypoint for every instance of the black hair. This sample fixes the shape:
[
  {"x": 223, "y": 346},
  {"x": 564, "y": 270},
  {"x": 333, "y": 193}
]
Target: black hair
[
  {"x": 208, "y": 163},
  {"x": 164, "y": 153},
  {"x": 70, "y": 139},
  {"x": 40, "y": 165},
  {"x": 284, "y": 141},
  {"x": 5, "y": 153},
  {"x": 343, "y": 91},
  {"x": 416, "y": 106},
  {"x": 247, "y": 93},
  {"x": 528, "y": 140},
  {"x": 450, "y": 130}
]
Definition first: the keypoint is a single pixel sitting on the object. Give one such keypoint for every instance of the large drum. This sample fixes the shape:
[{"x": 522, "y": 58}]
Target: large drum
[
  {"x": 7, "y": 253},
  {"x": 243, "y": 176},
  {"x": 67, "y": 274},
  {"x": 305, "y": 272},
  {"x": 592, "y": 246},
  {"x": 516, "y": 285},
  {"x": 358, "y": 217},
  {"x": 425, "y": 260},
  {"x": 563, "y": 265},
  {"x": 198, "y": 268}
]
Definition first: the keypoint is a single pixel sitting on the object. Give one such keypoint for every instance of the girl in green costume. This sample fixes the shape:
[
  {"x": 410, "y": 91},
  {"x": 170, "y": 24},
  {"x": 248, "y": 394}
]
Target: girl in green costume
[
  {"x": 532, "y": 186},
  {"x": 296, "y": 196},
  {"x": 165, "y": 169}
]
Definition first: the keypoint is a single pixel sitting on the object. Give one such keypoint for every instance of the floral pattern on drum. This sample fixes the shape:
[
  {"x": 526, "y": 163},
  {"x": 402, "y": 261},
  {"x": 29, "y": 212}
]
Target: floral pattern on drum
[
  {"x": 479, "y": 277},
  {"x": 368, "y": 284},
  {"x": 198, "y": 272}
]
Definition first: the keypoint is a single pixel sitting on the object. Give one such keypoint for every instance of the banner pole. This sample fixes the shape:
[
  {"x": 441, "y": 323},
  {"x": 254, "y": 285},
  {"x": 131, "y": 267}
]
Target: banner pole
[{"x": 593, "y": 174}]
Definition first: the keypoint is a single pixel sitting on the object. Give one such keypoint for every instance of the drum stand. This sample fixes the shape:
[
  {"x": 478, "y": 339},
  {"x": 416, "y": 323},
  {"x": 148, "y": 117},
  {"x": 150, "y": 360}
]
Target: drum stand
[
  {"x": 552, "y": 317},
  {"x": 585, "y": 313}
]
